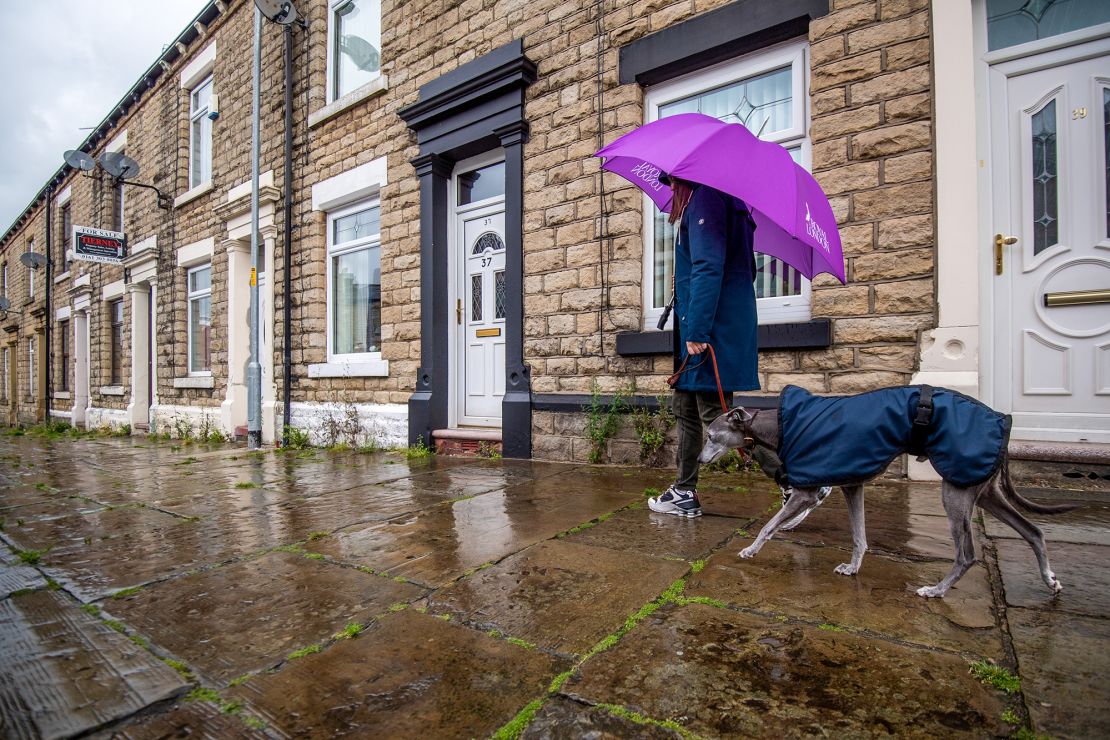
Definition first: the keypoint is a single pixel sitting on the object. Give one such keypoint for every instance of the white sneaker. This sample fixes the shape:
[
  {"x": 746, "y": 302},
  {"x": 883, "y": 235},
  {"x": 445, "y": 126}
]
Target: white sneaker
[
  {"x": 822, "y": 494},
  {"x": 679, "y": 503}
]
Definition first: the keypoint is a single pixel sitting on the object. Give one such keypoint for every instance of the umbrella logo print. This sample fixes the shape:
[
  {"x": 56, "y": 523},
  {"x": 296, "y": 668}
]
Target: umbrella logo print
[
  {"x": 814, "y": 230},
  {"x": 649, "y": 174}
]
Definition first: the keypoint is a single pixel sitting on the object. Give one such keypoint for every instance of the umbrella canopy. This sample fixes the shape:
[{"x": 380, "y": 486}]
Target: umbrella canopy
[{"x": 794, "y": 219}]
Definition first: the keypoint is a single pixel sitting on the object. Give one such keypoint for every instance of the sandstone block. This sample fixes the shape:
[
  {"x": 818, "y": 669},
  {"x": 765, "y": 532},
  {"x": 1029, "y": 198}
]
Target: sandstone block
[
  {"x": 900, "y": 357},
  {"x": 909, "y": 54},
  {"x": 882, "y": 329},
  {"x": 891, "y": 85},
  {"x": 892, "y": 140},
  {"x": 561, "y": 366},
  {"x": 813, "y": 382},
  {"x": 910, "y": 231},
  {"x": 896, "y": 8},
  {"x": 847, "y": 122},
  {"x": 859, "y": 381},
  {"x": 851, "y": 177},
  {"x": 580, "y": 300},
  {"x": 837, "y": 358},
  {"x": 917, "y": 166},
  {"x": 857, "y": 239},
  {"x": 892, "y": 265},
  {"x": 905, "y": 296},
  {"x": 840, "y": 21},
  {"x": 908, "y": 108},
  {"x": 851, "y": 300},
  {"x": 854, "y": 68},
  {"x": 773, "y": 362},
  {"x": 887, "y": 34},
  {"x": 893, "y": 200},
  {"x": 830, "y": 153},
  {"x": 561, "y": 280},
  {"x": 561, "y": 324},
  {"x": 829, "y": 101},
  {"x": 826, "y": 50}
]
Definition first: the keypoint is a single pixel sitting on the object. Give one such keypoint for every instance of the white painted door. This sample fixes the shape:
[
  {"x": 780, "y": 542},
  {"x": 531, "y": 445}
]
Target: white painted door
[
  {"x": 1050, "y": 139},
  {"x": 481, "y": 321}
]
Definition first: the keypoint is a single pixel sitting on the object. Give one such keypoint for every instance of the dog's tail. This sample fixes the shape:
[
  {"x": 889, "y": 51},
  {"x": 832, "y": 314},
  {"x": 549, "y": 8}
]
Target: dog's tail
[{"x": 1016, "y": 498}]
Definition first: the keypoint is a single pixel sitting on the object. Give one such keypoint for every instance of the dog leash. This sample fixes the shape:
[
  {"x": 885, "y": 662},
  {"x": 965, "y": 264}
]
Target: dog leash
[{"x": 673, "y": 380}]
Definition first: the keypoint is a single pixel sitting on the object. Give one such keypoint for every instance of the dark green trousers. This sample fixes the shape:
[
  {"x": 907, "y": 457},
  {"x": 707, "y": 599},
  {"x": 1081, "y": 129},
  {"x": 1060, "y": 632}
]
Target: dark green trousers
[{"x": 693, "y": 411}]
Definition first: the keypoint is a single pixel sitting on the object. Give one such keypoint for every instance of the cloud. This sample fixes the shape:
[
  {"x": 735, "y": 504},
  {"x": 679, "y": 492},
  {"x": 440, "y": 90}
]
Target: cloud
[{"x": 75, "y": 60}]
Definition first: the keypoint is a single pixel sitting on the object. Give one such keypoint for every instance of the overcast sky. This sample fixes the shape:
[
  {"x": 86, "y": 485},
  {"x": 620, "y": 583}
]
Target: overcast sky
[{"x": 67, "y": 62}]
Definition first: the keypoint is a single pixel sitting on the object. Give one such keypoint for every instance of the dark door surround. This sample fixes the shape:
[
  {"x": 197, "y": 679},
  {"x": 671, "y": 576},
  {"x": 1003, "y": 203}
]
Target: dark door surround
[{"x": 465, "y": 112}]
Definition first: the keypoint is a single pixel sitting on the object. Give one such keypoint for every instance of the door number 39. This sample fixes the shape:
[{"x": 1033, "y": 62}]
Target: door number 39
[{"x": 1078, "y": 113}]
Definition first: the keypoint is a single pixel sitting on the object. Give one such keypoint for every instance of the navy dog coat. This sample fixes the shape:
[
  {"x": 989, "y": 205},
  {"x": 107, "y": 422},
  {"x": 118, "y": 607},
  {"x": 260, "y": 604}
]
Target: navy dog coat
[{"x": 845, "y": 440}]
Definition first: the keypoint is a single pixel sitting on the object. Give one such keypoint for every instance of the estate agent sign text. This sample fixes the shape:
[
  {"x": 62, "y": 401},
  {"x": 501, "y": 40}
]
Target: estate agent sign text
[{"x": 98, "y": 245}]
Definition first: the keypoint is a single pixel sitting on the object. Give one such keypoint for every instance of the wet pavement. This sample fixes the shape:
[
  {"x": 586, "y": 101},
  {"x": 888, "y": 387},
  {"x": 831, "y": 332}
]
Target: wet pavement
[{"x": 150, "y": 589}]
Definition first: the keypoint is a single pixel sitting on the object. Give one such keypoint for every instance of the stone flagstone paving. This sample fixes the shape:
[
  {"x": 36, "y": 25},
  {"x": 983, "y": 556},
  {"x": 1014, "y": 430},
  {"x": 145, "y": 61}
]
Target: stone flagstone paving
[{"x": 152, "y": 589}]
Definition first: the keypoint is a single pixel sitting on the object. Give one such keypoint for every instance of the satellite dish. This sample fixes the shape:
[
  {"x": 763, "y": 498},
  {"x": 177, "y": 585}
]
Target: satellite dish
[
  {"x": 5, "y": 304},
  {"x": 79, "y": 160},
  {"x": 34, "y": 260},
  {"x": 279, "y": 11},
  {"x": 118, "y": 164}
]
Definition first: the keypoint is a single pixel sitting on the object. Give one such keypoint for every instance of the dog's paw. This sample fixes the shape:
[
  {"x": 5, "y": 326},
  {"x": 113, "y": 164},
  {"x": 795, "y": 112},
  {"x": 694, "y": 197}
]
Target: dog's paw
[
  {"x": 1055, "y": 586},
  {"x": 930, "y": 592},
  {"x": 845, "y": 569},
  {"x": 748, "y": 552}
]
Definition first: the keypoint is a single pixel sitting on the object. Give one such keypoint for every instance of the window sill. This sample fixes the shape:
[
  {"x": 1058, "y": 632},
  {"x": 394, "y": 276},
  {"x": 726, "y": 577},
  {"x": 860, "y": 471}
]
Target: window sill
[
  {"x": 61, "y": 278},
  {"x": 813, "y": 334},
  {"x": 61, "y": 395},
  {"x": 362, "y": 369},
  {"x": 350, "y": 100},
  {"x": 111, "y": 390},
  {"x": 195, "y": 381},
  {"x": 190, "y": 195}
]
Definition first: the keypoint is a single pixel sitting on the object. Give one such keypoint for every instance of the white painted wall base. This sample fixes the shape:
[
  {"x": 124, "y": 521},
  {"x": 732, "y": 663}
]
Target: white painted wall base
[
  {"x": 67, "y": 415},
  {"x": 386, "y": 425},
  {"x": 96, "y": 418},
  {"x": 173, "y": 420}
]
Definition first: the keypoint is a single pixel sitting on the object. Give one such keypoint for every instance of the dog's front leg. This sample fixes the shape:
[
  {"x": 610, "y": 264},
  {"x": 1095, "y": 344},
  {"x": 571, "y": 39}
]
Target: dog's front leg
[
  {"x": 800, "y": 499},
  {"x": 854, "y": 496}
]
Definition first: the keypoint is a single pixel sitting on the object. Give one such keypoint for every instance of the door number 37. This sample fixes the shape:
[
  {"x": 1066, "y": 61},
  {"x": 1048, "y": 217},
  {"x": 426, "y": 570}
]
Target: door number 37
[{"x": 486, "y": 261}]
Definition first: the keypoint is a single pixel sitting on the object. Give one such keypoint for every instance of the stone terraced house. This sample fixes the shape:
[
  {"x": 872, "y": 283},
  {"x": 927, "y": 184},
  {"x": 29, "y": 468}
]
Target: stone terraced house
[{"x": 460, "y": 271}]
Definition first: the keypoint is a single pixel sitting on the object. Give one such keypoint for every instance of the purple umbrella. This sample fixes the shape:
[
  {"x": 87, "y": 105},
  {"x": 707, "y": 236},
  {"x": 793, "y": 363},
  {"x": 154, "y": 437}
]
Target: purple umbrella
[{"x": 794, "y": 219}]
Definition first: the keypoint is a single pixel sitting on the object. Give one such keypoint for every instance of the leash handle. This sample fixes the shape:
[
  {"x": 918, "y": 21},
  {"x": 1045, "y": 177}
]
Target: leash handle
[{"x": 671, "y": 381}]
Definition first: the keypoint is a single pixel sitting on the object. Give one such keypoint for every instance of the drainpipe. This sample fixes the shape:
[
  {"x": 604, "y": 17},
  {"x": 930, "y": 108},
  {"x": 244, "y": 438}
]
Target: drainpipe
[
  {"x": 48, "y": 385},
  {"x": 287, "y": 352},
  {"x": 254, "y": 370}
]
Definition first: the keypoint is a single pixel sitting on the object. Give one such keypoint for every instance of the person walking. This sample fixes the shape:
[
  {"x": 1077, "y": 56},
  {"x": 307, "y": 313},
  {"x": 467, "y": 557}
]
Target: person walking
[{"x": 714, "y": 304}]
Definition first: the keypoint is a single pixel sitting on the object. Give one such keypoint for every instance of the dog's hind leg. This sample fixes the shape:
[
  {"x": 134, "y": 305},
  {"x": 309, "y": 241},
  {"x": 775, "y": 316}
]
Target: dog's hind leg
[
  {"x": 854, "y": 495},
  {"x": 997, "y": 506},
  {"x": 958, "y": 505},
  {"x": 799, "y": 500}
]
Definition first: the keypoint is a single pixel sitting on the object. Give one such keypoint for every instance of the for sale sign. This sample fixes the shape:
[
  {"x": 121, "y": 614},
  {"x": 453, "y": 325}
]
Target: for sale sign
[{"x": 98, "y": 245}]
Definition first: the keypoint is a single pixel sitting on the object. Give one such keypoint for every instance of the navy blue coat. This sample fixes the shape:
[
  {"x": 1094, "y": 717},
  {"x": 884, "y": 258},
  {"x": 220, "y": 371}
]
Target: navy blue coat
[
  {"x": 714, "y": 266},
  {"x": 851, "y": 439}
]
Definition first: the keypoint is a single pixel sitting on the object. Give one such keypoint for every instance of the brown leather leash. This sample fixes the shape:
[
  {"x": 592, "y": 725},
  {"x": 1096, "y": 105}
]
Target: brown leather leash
[{"x": 673, "y": 380}]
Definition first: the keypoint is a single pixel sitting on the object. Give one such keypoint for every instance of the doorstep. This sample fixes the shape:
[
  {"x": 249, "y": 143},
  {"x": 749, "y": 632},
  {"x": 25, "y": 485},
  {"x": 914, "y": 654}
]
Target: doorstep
[
  {"x": 1084, "y": 465},
  {"x": 467, "y": 441}
]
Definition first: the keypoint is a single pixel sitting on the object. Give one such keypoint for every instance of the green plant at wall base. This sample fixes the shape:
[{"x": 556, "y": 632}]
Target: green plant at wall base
[
  {"x": 304, "y": 651},
  {"x": 296, "y": 438},
  {"x": 602, "y": 420},
  {"x": 652, "y": 428},
  {"x": 216, "y": 437},
  {"x": 417, "y": 451},
  {"x": 488, "y": 451}
]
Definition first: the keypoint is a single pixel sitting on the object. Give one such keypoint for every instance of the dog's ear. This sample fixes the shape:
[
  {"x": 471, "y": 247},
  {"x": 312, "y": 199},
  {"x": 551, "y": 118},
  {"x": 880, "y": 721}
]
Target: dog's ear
[{"x": 738, "y": 417}]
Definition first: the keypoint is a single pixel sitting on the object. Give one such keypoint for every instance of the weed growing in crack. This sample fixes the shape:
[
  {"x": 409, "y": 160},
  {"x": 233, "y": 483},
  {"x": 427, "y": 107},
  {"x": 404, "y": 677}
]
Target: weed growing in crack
[
  {"x": 181, "y": 668},
  {"x": 652, "y": 428},
  {"x": 418, "y": 451},
  {"x": 125, "y": 592},
  {"x": 697, "y": 566},
  {"x": 309, "y": 650},
  {"x": 253, "y": 722},
  {"x": 521, "y": 643},
  {"x": 397, "y": 607},
  {"x": 1011, "y": 717},
  {"x": 239, "y": 680},
  {"x": 603, "y": 420},
  {"x": 30, "y": 557},
  {"x": 636, "y": 717},
  {"x": 246, "y": 484},
  {"x": 297, "y": 439},
  {"x": 317, "y": 535},
  {"x": 92, "y": 609},
  {"x": 995, "y": 676},
  {"x": 651, "y": 492},
  {"x": 518, "y": 724},
  {"x": 354, "y": 629},
  {"x": 585, "y": 525},
  {"x": 831, "y": 627}
]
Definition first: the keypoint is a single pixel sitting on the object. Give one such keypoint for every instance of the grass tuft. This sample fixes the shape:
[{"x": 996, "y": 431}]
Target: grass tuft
[
  {"x": 831, "y": 627},
  {"x": 309, "y": 650},
  {"x": 246, "y": 484},
  {"x": 125, "y": 592},
  {"x": 354, "y": 629},
  {"x": 995, "y": 676},
  {"x": 518, "y": 724},
  {"x": 317, "y": 535},
  {"x": 697, "y": 566}
]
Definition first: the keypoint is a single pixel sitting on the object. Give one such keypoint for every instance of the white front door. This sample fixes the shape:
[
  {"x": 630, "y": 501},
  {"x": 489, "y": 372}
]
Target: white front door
[
  {"x": 481, "y": 320},
  {"x": 1050, "y": 136}
]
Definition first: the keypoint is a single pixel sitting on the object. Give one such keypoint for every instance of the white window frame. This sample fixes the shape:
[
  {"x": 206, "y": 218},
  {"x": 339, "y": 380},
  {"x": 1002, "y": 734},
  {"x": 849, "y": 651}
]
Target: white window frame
[
  {"x": 31, "y": 367},
  {"x": 367, "y": 242},
  {"x": 334, "y": 6},
  {"x": 194, "y": 116},
  {"x": 30, "y": 273},
  {"x": 190, "y": 296},
  {"x": 4, "y": 281},
  {"x": 7, "y": 373},
  {"x": 66, "y": 208},
  {"x": 793, "y": 54}
]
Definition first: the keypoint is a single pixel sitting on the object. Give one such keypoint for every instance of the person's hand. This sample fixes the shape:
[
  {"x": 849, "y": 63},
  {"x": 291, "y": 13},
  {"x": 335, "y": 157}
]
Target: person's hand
[{"x": 696, "y": 348}]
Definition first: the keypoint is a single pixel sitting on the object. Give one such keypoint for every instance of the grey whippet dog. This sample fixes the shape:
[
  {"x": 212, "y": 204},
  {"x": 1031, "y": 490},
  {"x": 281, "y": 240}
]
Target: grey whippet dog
[{"x": 741, "y": 428}]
